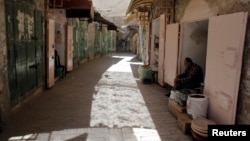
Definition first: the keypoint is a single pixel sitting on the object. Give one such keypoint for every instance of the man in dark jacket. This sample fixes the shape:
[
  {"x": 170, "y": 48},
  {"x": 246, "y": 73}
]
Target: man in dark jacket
[{"x": 191, "y": 78}]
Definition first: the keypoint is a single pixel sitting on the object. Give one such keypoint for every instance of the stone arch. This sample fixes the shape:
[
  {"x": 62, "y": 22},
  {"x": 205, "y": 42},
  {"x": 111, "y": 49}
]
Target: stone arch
[{"x": 197, "y": 10}]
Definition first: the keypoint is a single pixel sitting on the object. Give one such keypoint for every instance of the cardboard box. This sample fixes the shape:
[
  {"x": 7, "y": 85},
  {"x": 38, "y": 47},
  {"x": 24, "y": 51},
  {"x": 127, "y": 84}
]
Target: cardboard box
[
  {"x": 184, "y": 123},
  {"x": 175, "y": 109}
]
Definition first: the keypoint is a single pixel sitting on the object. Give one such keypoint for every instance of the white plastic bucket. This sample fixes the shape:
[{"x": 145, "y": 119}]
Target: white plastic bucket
[{"x": 197, "y": 105}]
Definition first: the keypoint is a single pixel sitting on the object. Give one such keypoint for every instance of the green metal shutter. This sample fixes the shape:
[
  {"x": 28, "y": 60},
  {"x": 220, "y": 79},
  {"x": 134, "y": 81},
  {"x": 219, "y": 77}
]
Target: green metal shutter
[{"x": 39, "y": 47}]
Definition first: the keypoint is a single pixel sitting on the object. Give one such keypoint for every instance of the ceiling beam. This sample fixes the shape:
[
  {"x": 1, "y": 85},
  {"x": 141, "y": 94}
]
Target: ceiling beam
[{"x": 70, "y": 4}]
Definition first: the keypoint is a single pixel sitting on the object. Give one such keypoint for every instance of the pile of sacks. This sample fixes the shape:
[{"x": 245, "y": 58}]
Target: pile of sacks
[{"x": 180, "y": 96}]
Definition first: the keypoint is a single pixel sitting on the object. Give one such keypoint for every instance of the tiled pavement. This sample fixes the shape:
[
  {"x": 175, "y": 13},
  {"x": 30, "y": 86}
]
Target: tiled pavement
[{"x": 64, "y": 112}]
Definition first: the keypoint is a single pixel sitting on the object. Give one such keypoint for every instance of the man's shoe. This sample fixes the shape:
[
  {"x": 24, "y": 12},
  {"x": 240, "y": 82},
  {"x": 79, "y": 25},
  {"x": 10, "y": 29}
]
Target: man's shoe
[{"x": 168, "y": 94}]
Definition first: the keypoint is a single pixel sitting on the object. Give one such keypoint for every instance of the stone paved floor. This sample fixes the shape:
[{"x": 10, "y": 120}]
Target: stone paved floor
[{"x": 66, "y": 112}]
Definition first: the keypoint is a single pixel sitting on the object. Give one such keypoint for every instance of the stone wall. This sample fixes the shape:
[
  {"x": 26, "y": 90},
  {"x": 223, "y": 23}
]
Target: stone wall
[
  {"x": 143, "y": 44},
  {"x": 221, "y": 7},
  {"x": 4, "y": 92}
]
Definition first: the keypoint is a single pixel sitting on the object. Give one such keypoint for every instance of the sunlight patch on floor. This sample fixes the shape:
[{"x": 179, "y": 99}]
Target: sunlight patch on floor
[{"x": 117, "y": 101}]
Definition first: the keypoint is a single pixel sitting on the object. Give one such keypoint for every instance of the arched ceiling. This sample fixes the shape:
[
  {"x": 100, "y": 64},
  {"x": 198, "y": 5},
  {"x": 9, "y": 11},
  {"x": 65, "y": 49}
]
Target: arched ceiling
[{"x": 140, "y": 5}]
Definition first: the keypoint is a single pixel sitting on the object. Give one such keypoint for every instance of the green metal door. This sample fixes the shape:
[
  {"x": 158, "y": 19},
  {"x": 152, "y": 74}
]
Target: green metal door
[
  {"x": 31, "y": 48},
  {"x": 20, "y": 49},
  {"x": 81, "y": 41},
  {"x": 24, "y": 45},
  {"x": 85, "y": 38},
  {"x": 75, "y": 51},
  {"x": 109, "y": 42},
  {"x": 97, "y": 43},
  {"x": 82, "y": 45},
  {"x": 21, "y": 67},
  {"x": 105, "y": 41},
  {"x": 39, "y": 47}
]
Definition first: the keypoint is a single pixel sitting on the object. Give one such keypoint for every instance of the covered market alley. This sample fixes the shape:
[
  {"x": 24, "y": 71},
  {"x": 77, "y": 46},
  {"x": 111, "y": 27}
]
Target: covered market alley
[{"x": 102, "y": 100}]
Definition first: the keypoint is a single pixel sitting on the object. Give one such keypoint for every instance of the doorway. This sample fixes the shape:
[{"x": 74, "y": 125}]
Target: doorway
[
  {"x": 60, "y": 41},
  {"x": 193, "y": 43}
]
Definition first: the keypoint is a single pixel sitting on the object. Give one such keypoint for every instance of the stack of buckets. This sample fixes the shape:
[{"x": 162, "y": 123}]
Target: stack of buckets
[
  {"x": 199, "y": 128},
  {"x": 197, "y": 105}
]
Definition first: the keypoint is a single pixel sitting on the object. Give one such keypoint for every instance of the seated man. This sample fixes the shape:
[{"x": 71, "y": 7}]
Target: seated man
[
  {"x": 191, "y": 78},
  {"x": 59, "y": 69}
]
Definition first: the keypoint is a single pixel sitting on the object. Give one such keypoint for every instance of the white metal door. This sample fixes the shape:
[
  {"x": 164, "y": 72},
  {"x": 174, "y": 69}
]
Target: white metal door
[
  {"x": 226, "y": 36},
  {"x": 171, "y": 53},
  {"x": 69, "y": 48},
  {"x": 161, "y": 49},
  {"x": 50, "y": 53}
]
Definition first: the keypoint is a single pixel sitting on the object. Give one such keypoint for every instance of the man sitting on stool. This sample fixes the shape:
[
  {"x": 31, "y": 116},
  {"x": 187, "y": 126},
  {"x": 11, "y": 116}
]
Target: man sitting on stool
[
  {"x": 59, "y": 69},
  {"x": 191, "y": 78}
]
